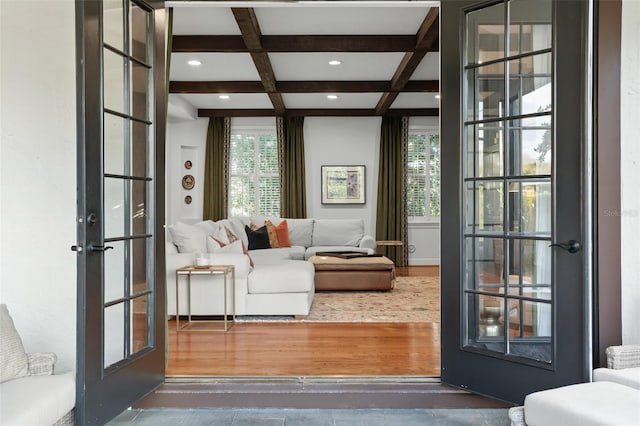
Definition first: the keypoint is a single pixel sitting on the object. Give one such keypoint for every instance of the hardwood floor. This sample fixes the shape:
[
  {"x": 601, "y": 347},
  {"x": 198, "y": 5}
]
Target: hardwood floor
[{"x": 310, "y": 349}]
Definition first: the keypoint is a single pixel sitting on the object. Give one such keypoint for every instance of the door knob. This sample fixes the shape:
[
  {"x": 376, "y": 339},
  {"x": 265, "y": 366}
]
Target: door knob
[{"x": 572, "y": 246}]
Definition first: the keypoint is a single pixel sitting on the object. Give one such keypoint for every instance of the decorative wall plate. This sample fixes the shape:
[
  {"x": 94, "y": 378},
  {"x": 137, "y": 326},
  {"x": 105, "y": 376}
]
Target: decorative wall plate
[
  {"x": 188, "y": 182},
  {"x": 188, "y": 164},
  {"x": 187, "y": 199}
]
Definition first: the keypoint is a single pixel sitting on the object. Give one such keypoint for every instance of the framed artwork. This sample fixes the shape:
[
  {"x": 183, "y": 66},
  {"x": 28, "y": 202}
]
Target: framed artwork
[{"x": 343, "y": 184}]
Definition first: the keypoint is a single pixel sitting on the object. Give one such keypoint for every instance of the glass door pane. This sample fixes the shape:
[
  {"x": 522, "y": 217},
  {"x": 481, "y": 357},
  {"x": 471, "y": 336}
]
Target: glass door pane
[
  {"x": 508, "y": 288},
  {"x": 128, "y": 183}
]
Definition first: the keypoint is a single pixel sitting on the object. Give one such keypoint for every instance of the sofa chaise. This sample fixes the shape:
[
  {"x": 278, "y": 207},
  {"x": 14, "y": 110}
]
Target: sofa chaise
[
  {"x": 613, "y": 398},
  {"x": 269, "y": 281}
]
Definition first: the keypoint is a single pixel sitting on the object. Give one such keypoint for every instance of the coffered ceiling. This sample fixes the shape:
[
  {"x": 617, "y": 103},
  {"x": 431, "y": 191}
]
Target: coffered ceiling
[{"x": 273, "y": 58}]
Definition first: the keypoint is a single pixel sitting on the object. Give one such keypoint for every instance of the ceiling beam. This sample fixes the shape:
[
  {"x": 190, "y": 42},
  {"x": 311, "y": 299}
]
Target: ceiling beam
[
  {"x": 216, "y": 87},
  {"x": 427, "y": 38},
  {"x": 251, "y": 35},
  {"x": 299, "y": 86},
  {"x": 298, "y": 43},
  {"x": 205, "y": 43},
  {"x": 319, "y": 112},
  {"x": 339, "y": 43}
]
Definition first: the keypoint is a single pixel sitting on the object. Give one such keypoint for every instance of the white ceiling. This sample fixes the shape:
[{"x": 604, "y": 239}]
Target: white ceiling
[{"x": 214, "y": 18}]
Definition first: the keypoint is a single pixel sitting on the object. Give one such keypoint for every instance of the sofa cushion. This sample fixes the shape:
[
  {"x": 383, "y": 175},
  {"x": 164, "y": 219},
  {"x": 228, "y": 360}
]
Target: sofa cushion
[
  {"x": 191, "y": 238},
  {"x": 14, "y": 362},
  {"x": 624, "y": 376},
  {"x": 287, "y": 276},
  {"x": 338, "y": 232},
  {"x": 276, "y": 255},
  {"x": 37, "y": 400},
  {"x": 597, "y": 403},
  {"x": 258, "y": 238},
  {"x": 271, "y": 255},
  {"x": 300, "y": 231}
]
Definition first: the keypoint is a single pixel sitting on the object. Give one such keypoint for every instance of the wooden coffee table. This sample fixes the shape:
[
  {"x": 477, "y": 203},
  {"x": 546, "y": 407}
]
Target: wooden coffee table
[{"x": 360, "y": 273}]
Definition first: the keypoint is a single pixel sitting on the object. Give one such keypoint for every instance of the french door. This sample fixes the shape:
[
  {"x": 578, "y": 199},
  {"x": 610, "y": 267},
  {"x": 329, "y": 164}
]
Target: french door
[
  {"x": 121, "y": 125},
  {"x": 516, "y": 171}
]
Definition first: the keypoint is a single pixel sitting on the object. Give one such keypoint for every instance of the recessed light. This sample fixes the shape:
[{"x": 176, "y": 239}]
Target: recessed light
[
  {"x": 194, "y": 62},
  {"x": 224, "y": 97},
  {"x": 332, "y": 97},
  {"x": 335, "y": 62}
]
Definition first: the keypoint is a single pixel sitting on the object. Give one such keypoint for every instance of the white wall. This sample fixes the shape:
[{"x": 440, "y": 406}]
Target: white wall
[
  {"x": 38, "y": 173},
  {"x": 630, "y": 171},
  {"x": 328, "y": 141},
  {"x": 185, "y": 141},
  {"x": 349, "y": 141}
]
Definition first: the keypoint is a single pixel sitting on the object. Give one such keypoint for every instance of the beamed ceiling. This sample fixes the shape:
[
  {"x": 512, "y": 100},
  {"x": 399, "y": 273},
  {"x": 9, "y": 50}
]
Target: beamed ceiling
[{"x": 273, "y": 59}]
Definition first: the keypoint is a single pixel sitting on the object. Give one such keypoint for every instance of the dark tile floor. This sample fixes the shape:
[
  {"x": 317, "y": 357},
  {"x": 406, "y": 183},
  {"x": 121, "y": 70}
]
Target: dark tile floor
[{"x": 313, "y": 417}]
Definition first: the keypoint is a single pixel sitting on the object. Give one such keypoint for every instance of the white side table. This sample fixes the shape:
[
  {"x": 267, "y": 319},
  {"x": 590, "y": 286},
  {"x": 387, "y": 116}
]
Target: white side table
[{"x": 211, "y": 270}]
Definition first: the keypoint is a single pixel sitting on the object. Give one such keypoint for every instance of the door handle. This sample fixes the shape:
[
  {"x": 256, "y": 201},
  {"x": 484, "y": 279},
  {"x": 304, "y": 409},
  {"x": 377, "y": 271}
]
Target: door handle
[
  {"x": 95, "y": 247},
  {"x": 572, "y": 246}
]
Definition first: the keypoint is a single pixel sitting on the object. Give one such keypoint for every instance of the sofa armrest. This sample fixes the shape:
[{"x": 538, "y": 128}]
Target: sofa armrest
[
  {"x": 368, "y": 242},
  {"x": 625, "y": 356},
  {"x": 41, "y": 364}
]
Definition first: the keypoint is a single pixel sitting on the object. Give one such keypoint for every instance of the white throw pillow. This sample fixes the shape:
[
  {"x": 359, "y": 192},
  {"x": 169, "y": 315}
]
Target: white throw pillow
[
  {"x": 14, "y": 362},
  {"x": 190, "y": 238},
  {"x": 234, "y": 247},
  {"x": 220, "y": 234}
]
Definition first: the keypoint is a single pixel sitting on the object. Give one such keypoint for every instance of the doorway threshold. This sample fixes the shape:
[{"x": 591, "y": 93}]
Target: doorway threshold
[
  {"x": 311, "y": 392},
  {"x": 301, "y": 379}
]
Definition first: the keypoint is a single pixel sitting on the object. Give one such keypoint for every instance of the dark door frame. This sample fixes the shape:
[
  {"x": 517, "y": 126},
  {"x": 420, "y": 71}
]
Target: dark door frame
[
  {"x": 607, "y": 235},
  {"x": 608, "y": 207}
]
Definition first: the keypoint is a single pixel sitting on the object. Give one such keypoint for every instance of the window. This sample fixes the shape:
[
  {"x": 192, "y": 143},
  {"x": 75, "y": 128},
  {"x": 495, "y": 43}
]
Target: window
[
  {"x": 423, "y": 175},
  {"x": 254, "y": 181}
]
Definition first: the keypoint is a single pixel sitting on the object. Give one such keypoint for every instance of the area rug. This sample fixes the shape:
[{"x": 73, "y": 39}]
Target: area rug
[{"x": 414, "y": 299}]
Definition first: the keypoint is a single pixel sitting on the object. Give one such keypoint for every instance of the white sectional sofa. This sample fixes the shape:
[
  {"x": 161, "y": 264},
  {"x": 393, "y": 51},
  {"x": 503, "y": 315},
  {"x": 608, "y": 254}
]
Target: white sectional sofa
[
  {"x": 30, "y": 392},
  {"x": 280, "y": 282}
]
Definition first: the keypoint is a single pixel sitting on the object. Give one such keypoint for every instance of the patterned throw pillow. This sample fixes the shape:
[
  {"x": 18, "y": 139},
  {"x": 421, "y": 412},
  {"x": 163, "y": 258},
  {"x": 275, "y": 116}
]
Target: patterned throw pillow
[
  {"x": 273, "y": 234},
  {"x": 230, "y": 235}
]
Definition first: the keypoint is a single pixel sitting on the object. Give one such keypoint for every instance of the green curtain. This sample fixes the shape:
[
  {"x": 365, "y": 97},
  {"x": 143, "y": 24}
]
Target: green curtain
[
  {"x": 216, "y": 169},
  {"x": 391, "y": 216},
  {"x": 293, "y": 194}
]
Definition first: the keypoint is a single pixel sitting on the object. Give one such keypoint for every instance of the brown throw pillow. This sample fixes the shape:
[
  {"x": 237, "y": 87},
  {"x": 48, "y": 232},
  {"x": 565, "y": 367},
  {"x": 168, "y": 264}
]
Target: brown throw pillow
[{"x": 273, "y": 234}]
